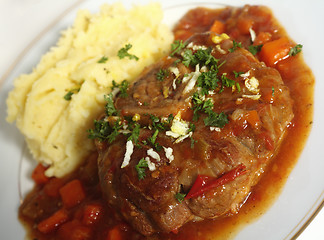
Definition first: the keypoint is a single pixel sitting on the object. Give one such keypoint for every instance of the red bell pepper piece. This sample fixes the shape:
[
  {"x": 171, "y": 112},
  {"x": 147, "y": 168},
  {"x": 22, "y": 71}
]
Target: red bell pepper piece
[{"x": 204, "y": 183}]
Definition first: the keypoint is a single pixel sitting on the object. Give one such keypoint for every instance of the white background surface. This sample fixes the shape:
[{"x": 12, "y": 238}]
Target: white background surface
[{"x": 22, "y": 21}]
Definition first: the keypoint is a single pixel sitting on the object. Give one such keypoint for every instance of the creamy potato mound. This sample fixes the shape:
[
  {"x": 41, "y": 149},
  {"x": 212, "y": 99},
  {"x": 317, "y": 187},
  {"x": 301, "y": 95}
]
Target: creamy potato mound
[{"x": 56, "y": 129}]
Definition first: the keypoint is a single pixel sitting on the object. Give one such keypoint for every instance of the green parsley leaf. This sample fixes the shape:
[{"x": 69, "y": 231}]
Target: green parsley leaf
[
  {"x": 152, "y": 139},
  {"x": 273, "y": 91},
  {"x": 177, "y": 46},
  {"x": 162, "y": 74},
  {"x": 200, "y": 105},
  {"x": 235, "y": 46},
  {"x": 180, "y": 196},
  {"x": 110, "y": 107},
  {"x": 295, "y": 50},
  {"x": 205, "y": 58},
  {"x": 123, "y": 86},
  {"x": 254, "y": 49},
  {"x": 226, "y": 82},
  {"x": 216, "y": 120},
  {"x": 103, "y": 59},
  {"x": 140, "y": 168},
  {"x": 237, "y": 74},
  {"x": 101, "y": 130},
  {"x": 69, "y": 94},
  {"x": 207, "y": 81},
  {"x": 123, "y": 52},
  {"x": 188, "y": 57},
  {"x": 135, "y": 133}
]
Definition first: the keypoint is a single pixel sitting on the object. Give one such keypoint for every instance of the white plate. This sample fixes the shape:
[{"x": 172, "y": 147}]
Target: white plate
[{"x": 303, "y": 193}]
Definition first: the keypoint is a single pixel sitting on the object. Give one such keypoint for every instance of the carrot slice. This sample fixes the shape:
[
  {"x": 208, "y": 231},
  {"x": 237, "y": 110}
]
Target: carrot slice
[
  {"x": 262, "y": 38},
  {"x": 72, "y": 193},
  {"x": 50, "y": 224},
  {"x": 244, "y": 25},
  {"x": 92, "y": 213},
  {"x": 275, "y": 51},
  {"x": 114, "y": 234},
  {"x": 38, "y": 174},
  {"x": 217, "y": 27},
  {"x": 252, "y": 117}
]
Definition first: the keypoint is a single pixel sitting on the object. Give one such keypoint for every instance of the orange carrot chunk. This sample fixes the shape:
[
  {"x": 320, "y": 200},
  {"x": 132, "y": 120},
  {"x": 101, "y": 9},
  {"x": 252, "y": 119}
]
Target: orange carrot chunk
[
  {"x": 262, "y": 38},
  {"x": 275, "y": 51},
  {"x": 92, "y": 213},
  {"x": 252, "y": 117},
  {"x": 217, "y": 27},
  {"x": 114, "y": 234},
  {"x": 244, "y": 25},
  {"x": 38, "y": 174},
  {"x": 50, "y": 224},
  {"x": 72, "y": 193}
]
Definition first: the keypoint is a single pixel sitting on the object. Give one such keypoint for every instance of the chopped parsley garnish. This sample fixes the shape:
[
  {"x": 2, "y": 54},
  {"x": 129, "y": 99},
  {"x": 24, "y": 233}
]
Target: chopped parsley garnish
[
  {"x": 188, "y": 57},
  {"x": 273, "y": 91},
  {"x": 103, "y": 59},
  {"x": 140, "y": 168},
  {"x": 123, "y": 86},
  {"x": 201, "y": 56},
  {"x": 177, "y": 46},
  {"x": 295, "y": 50},
  {"x": 226, "y": 82},
  {"x": 157, "y": 123},
  {"x": 235, "y": 46},
  {"x": 69, "y": 94},
  {"x": 162, "y": 74},
  {"x": 216, "y": 120},
  {"x": 101, "y": 130},
  {"x": 180, "y": 196},
  {"x": 123, "y": 52},
  {"x": 237, "y": 74},
  {"x": 207, "y": 81},
  {"x": 110, "y": 107},
  {"x": 104, "y": 131},
  {"x": 135, "y": 133},
  {"x": 254, "y": 49}
]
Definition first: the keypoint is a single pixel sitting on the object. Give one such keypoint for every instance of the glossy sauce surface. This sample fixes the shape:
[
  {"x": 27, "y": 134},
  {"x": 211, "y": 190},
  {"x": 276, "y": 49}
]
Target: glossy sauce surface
[{"x": 38, "y": 205}]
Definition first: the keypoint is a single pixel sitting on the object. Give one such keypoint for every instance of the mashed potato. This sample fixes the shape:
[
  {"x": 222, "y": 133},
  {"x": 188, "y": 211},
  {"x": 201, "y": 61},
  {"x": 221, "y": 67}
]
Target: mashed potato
[{"x": 56, "y": 129}]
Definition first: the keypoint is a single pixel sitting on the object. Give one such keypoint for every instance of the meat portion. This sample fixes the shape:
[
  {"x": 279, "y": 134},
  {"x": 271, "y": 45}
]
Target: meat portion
[{"x": 205, "y": 120}]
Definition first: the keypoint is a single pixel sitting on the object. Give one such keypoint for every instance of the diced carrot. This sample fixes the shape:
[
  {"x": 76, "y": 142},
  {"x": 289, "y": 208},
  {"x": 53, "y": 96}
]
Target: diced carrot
[
  {"x": 262, "y": 38},
  {"x": 252, "y": 117},
  {"x": 72, "y": 193},
  {"x": 38, "y": 174},
  {"x": 275, "y": 51},
  {"x": 217, "y": 27},
  {"x": 74, "y": 230},
  {"x": 53, "y": 186},
  {"x": 92, "y": 213},
  {"x": 244, "y": 25},
  {"x": 114, "y": 234},
  {"x": 51, "y": 223}
]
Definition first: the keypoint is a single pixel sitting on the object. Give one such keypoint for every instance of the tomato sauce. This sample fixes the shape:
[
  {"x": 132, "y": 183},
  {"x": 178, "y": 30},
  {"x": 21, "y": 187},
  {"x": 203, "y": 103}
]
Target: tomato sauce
[{"x": 88, "y": 216}]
